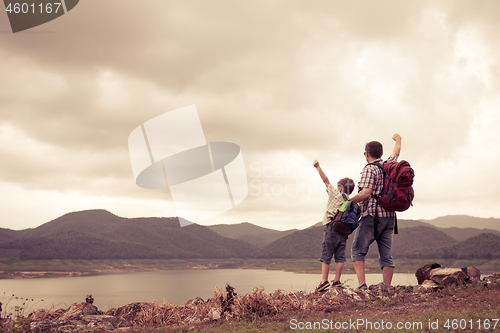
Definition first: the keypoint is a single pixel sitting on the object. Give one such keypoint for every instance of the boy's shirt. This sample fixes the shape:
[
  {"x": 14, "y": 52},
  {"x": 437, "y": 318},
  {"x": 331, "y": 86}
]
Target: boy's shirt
[{"x": 335, "y": 200}]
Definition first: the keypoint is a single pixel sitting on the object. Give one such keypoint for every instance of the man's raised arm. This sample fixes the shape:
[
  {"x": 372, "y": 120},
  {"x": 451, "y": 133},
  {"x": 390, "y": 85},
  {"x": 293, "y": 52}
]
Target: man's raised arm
[{"x": 397, "y": 146}]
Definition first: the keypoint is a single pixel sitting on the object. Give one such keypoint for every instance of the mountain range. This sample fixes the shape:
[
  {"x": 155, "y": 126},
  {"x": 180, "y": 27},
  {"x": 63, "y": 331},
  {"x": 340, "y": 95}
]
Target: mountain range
[
  {"x": 99, "y": 234},
  {"x": 465, "y": 221}
]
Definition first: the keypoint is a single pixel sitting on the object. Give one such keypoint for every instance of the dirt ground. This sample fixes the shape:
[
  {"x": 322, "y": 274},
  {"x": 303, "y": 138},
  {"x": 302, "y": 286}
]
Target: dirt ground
[{"x": 471, "y": 304}]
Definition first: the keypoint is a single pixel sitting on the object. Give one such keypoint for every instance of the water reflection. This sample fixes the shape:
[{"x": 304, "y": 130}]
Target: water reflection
[{"x": 176, "y": 286}]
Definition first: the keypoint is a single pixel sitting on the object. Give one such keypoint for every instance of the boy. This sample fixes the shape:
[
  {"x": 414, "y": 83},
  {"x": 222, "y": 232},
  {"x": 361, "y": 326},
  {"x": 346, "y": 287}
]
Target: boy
[{"x": 334, "y": 242}]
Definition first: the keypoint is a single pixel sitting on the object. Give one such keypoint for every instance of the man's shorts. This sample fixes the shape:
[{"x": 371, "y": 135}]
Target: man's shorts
[
  {"x": 333, "y": 245},
  {"x": 365, "y": 235}
]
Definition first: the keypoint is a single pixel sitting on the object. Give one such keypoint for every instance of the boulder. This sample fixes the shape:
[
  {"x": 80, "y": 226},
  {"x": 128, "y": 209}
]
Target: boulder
[
  {"x": 424, "y": 272},
  {"x": 446, "y": 276},
  {"x": 194, "y": 302},
  {"x": 426, "y": 286},
  {"x": 382, "y": 289},
  {"x": 473, "y": 273},
  {"x": 128, "y": 312},
  {"x": 63, "y": 326},
  {"x": 78, "y": 318},
  {"x": 77, "y": 310},
  {"x": 449, "y": 276}
]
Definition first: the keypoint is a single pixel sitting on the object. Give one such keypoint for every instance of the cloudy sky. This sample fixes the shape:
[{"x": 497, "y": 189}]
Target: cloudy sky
[{"x": 288, "y": 81}]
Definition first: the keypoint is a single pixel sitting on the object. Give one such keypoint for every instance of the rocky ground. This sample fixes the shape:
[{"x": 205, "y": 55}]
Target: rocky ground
[{"x": 226, "y": 306}]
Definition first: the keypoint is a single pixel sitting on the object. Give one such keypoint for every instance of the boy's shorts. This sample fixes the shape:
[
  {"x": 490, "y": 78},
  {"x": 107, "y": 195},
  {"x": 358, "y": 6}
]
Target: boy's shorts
[{"x": 333, "y": 245}]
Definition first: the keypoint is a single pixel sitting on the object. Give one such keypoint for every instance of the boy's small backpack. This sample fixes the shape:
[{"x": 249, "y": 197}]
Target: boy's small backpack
[
  {"x": 397, "y": 194},
  {"x": 347, "y": 217}
]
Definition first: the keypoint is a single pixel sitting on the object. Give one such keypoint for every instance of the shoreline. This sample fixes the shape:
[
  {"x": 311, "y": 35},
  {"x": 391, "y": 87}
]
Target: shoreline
[
  {"x": 17, "y": 269},
  {"x": 276, "y": 311}
]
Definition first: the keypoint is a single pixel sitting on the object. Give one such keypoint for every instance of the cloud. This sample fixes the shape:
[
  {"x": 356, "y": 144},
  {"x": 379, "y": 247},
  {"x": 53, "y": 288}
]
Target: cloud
[{"x": 288, "y": 81}]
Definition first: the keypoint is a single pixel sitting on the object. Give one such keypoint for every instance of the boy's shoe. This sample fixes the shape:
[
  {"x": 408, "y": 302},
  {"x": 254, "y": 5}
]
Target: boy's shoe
[
  {"x": 323, "y": 286},
  {"x": 363, "y": 287},
  {"x": 336, "y": 284}
]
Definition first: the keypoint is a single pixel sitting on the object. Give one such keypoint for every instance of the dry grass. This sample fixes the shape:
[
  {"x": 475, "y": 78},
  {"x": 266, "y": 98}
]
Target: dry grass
[{"x": 227, "y": 306}]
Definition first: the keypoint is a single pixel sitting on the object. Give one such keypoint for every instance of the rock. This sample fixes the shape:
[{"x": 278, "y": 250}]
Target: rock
[
  {"x": 214, "y": 314},
  {"x": 121, "y": 322},
  {"x": 77, "y": 310},
  {"x": 449, "y": 276},
  {"x": 492, "y": 280},
  {"x": 426, "y": 286},
  {"x": 91, "y": 323},
  {"x": 129, "y": 312},
  {"x": 194, "y": 302},
  {"x": 64, "y": 325},
  {"x": 382, "y": 289},
  {"x": 100, "y": 325},
  {"x": 423, "y": 273},
  {"x": 347, "y": 294},
  {"x": 79, "y": 318},
  {"x": 473, "y": 273},
  {"x": 93, "y": 319}
]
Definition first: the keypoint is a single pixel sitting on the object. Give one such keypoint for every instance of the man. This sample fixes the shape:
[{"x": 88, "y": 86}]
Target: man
[{"x": 374, "y": 218}]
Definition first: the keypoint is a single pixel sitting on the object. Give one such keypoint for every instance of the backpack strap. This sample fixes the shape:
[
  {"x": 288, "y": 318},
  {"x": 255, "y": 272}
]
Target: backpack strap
[{"x": 384, "y": 174}]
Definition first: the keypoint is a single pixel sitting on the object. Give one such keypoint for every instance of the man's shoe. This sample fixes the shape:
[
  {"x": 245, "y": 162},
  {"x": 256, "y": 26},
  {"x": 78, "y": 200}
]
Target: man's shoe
[
  {"x": 336, "y": 284},
  {"x": 363, "y": 287},
  {"x": 323, "y": 286}
]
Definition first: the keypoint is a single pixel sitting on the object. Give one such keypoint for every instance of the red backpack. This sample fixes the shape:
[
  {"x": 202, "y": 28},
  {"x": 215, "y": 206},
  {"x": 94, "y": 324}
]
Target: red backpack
[{"x": 397, "y": 194}]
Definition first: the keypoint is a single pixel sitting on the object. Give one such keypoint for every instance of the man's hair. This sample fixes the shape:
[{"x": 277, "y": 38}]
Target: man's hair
[
  {"x": 375, "y": 149},
  {"x": 347, "y": 185}
]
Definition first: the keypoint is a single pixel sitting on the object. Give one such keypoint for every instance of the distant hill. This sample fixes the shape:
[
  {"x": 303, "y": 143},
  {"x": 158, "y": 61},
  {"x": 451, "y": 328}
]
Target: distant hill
[
  {"x": 465, "y": 221},
  {"x": 250, "y": 233},
  {"x": 461, "y": 234},
  {"x": 411, "y": 239},
  {"x": 301, "y": 244},
  {"x": 413, "y": 224},
  {"x": 457, "y": 233},
  {"x": 99, "y": 234},
  {"x": 77, "y": 245},
  {"x": 483, "y": 246},
  {"x": 307, "y": 243},
  {"x": 8, "y": 235}
]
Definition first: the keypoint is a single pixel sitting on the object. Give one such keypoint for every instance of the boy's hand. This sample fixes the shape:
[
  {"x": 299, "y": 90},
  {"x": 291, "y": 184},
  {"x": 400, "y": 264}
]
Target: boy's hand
[
  {"x": 321, "y": 173},
  {"x": 396, "y": 137}
]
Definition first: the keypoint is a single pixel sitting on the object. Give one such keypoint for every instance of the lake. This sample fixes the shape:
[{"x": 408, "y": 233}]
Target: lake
[{"x": 176, "y": 286}]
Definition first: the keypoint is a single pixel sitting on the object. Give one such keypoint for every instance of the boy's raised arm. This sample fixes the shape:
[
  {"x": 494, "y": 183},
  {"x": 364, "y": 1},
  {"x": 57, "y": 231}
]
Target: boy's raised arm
[{"x": 321, "y": 173}]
